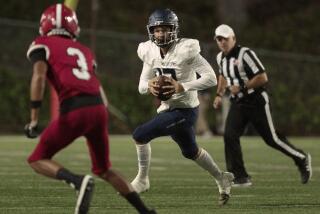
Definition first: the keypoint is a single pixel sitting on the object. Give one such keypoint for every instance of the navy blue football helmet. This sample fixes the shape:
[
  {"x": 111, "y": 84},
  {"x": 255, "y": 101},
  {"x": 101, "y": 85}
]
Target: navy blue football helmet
[{"x": 163, "y": 17}]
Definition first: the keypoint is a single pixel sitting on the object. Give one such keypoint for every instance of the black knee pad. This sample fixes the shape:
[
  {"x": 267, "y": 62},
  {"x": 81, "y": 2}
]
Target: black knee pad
[
  {"x": 190, "y": 154},
  {"x": 137, "y": 134},
  {"x": 140, "y": 136}
]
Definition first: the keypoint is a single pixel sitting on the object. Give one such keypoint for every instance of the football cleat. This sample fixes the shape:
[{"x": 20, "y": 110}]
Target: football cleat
[
  {"x": 305, "y": 169},
  {"x": 224, "y": 185},
  {"x": 85, "y": 195},
  {"x": 140, "y": 185},
  {"x": 242, "y": 182},
  {"x": 223, "y": 199}
]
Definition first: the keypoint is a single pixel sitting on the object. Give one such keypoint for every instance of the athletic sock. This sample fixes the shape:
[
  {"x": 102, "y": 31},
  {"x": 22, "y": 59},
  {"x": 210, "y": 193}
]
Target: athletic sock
[
  {"x": 72, "y": 179},
  {"x": 206, "y": 162},
  {"x": 134, "y": 199},
  {"x": 144, "y": 156}
]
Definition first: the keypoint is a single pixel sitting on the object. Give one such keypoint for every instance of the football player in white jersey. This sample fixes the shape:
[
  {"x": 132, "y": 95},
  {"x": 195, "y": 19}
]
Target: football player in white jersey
[{"x": 180, "y": 59}]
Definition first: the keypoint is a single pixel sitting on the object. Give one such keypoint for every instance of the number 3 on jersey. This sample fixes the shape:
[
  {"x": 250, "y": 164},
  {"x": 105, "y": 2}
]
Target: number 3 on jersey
[{"x": 82, "y": 71}]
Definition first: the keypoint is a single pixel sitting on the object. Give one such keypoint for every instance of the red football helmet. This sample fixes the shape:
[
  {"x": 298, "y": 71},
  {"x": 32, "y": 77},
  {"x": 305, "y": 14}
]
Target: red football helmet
[{"x": 59, "y": 20}]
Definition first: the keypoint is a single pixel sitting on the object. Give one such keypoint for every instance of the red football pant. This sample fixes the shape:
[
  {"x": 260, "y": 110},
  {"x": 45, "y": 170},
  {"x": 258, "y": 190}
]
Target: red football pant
[{"x": 90, "y": 122}]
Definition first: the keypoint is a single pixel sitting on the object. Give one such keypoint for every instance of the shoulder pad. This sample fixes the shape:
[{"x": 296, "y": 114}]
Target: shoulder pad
[
  {"x": 147, "y": 52},
  {"x": 187, "y": 49}
]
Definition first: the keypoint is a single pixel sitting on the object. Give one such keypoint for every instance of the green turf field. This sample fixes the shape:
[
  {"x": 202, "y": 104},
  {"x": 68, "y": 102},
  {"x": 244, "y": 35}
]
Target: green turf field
[{"x": 177, "y": 184}]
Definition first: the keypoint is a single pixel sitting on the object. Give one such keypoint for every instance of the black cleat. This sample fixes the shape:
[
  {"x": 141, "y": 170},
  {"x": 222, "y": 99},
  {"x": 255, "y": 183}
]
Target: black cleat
[
  {"x": 223, "y": 199},
  {"x": 305, "y": 169},
  {"x": 242, "y": 182},
  {"x": 85, "y": 195}
]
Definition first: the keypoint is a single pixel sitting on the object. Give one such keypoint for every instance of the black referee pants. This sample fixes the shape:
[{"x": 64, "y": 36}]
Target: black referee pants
[{"x": 253, "y": 108}]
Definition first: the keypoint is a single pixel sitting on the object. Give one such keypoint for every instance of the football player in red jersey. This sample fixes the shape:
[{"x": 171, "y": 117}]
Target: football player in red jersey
[{"x": 69, "y": 66}]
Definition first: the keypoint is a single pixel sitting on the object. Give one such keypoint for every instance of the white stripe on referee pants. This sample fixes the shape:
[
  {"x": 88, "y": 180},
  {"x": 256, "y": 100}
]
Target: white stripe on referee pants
[{"x": 273, "y": 132}]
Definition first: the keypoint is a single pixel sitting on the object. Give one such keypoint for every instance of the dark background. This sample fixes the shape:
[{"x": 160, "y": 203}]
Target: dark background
[{"x": 284, "y": 34}]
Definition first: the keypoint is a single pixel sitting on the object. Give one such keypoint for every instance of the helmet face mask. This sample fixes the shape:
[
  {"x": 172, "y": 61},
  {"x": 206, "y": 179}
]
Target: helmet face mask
[
  {"x": 168, "y": 37},
  {"x": 59, "y": 20},
  {"x": 165, "y": 18}
]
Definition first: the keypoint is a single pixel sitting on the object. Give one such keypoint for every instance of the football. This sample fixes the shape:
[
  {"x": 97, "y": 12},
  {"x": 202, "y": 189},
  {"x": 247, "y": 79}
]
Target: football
[{"x": 162, "y": 82}]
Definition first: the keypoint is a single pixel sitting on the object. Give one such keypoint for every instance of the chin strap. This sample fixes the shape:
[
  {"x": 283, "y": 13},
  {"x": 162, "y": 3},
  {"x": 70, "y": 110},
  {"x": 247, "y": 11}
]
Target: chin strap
[{"x": 62, "y": 32}]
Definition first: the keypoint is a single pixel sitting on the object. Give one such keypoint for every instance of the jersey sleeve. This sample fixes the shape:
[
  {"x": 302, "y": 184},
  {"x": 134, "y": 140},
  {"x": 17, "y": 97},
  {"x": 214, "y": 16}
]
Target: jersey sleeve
[
  {"x": 251, "y": 63},
  {"x": 37, "y": 55},
  {"x": 36, "y": 45},
  {"x": 207, "y": 76},
  {"x": 145, "y": 76}
]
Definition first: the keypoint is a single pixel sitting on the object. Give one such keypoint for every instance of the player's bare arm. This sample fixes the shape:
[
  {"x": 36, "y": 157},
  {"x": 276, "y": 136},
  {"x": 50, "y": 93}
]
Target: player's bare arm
[
  {"x": 222, "y": 84},
  {"x": 256, "y": 82},
  {"x": 38, "y": 83}
]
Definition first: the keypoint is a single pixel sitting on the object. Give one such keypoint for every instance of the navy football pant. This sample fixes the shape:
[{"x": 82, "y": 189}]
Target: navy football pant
[{"x": 177, "y": 123}]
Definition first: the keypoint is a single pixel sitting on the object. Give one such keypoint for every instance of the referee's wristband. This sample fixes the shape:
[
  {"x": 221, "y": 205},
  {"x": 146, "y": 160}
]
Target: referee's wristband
[{"x": 35, "y": 103}]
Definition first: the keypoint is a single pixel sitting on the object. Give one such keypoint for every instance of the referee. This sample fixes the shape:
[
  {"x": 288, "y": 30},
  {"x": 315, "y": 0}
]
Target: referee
[{"x": 242, "y": 73}]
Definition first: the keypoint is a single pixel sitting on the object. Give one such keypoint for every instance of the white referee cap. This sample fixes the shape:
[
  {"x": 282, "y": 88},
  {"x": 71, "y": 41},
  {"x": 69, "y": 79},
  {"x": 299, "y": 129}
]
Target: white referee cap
[{"x": 224, "y": 30}]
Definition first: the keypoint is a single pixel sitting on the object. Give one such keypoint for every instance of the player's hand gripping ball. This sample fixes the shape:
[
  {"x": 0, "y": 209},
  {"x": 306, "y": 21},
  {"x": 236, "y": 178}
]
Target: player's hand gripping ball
[{"x": 165, "y": 93}]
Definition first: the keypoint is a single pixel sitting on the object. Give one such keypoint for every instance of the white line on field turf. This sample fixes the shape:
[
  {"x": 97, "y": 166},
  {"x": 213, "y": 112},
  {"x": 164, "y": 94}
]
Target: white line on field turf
[
  {"x": 288, "y": 205},
  {"x": 33, "y": 208},
  {"x": 62, "y": 207}
]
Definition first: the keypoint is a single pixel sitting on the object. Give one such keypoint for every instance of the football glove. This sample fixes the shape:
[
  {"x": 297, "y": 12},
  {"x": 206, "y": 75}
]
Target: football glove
[{"x": 31, "y": 131}]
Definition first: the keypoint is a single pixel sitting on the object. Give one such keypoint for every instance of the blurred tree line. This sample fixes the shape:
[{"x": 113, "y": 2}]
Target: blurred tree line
[
  {"x": 282, "y": 32},
  {"x": 284, "y": 25}
]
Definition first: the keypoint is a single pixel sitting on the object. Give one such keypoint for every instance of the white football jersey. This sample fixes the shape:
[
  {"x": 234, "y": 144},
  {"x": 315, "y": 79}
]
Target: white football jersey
[{"x": 182, "y": 62}]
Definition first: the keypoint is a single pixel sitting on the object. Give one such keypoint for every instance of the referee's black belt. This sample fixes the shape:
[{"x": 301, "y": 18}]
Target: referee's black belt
[
  {"x": 247, "y": 96},
  {"x": 79, "y": 101}
]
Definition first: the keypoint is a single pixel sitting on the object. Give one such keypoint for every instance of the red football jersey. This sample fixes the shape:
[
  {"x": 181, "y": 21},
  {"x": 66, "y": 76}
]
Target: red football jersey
[{"x": 71, "y": 66}]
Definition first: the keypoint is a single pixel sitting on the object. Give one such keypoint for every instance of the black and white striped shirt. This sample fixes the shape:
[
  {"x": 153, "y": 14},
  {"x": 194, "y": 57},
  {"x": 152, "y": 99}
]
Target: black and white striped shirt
[{"x": 239, "y": 66}]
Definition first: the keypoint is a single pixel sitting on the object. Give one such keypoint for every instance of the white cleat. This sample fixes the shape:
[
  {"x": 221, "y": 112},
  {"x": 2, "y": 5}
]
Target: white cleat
[
  {"x": 224, "y": 185},
  {"x": 140, "y": 185}
]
